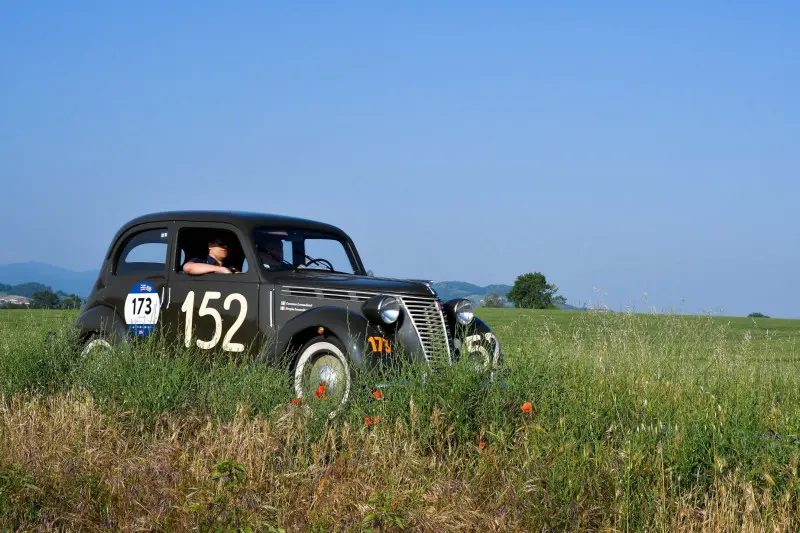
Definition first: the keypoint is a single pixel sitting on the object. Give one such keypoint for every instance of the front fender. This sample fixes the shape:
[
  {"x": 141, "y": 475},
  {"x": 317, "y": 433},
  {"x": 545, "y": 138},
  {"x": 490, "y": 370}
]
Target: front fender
[
  {"x": 351, "y": 328},
  {"x": 103, "y": 320}
]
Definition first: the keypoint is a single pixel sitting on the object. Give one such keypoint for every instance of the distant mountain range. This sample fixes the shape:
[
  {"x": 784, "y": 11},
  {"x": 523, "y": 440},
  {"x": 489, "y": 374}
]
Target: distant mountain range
[
  {"x": 60, "y": 279},
  {"x": 448, "y": 290},
  {"x": 80, "y": 283}
]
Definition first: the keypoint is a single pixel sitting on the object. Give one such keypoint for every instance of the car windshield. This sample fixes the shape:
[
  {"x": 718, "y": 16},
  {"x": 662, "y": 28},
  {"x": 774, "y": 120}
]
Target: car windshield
[{"x": 289, "y": 249}]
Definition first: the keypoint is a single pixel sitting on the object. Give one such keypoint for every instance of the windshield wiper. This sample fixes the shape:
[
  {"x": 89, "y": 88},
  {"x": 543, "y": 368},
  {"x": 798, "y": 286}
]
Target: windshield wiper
[{"x": 281, "y": 259}]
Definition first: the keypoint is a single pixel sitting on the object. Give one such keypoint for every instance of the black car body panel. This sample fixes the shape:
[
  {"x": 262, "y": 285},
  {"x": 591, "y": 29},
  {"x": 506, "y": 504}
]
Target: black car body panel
[
  {"x": 103, "y": 320},
  {"x": 270, "y": 311}
]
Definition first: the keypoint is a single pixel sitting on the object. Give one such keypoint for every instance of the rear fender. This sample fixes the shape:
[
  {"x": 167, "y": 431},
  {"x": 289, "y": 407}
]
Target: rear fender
[{"x": 103, "y": 320}]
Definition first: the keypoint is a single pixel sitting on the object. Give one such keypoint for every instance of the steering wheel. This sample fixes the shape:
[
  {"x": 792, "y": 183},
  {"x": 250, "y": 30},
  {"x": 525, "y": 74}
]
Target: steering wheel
[{"x": 320, "y": 261}]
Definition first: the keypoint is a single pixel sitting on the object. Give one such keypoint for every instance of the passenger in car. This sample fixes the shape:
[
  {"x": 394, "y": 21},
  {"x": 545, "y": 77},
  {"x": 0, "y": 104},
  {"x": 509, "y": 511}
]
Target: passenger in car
[
  {"x": 271, "y": 253},
  {"x": 213, "y": 263}
]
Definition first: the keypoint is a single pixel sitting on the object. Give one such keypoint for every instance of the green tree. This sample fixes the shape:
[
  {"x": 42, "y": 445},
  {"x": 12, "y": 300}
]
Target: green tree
[
  {"x": 71, "y": 301},
  {"x": 45, "y": 300},
  {"x": 493, "y": 300},
  {"x": 531, "y": 291}
]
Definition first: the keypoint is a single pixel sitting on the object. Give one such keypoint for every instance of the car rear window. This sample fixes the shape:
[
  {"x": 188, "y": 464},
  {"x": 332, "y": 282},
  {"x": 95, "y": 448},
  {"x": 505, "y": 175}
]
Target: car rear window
[{"x": 144, "y": 253}]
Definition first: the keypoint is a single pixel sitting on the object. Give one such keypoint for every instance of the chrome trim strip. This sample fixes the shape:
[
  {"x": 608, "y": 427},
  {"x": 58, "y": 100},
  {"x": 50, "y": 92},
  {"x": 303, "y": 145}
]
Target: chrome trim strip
[
  {"x": 271, "y": 309},
  {"x": 329, "y": 294},
  {"x": 446, "y": 336},
  {"x": 346, "y": 292}
]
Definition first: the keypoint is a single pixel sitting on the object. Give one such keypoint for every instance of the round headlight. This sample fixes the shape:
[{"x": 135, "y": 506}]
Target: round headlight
[
  {"x": 464, "y": 312},
  {"x": 382, "y": 309},
  {"x": 389, "y": 309}
]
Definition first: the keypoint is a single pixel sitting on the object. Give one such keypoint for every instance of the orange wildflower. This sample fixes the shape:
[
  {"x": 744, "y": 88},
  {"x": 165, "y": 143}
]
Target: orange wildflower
[
  {"x": 370, "y": 420},
  {"x": 321, "y": 391},
  {"x": 296, "y": 401},
  {"x": 482, "y": 444},
  {"x": 378, "y": 395},
  {"x": 527, "y": 407}
]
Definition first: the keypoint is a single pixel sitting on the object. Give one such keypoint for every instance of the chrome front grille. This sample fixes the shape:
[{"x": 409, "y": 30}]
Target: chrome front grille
[{"x": 428, "y": 320}]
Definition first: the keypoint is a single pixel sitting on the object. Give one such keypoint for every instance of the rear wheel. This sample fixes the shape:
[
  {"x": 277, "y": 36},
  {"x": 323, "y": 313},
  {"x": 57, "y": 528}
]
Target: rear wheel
[
  {"x": 322, "y": 373},
  {"x": 97, "y": 349},
  {"x": 95, "y": 343}
]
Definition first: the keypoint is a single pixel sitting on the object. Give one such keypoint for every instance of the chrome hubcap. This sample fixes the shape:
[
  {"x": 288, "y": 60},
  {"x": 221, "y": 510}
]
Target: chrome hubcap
[{"x": 327, "y": 371}]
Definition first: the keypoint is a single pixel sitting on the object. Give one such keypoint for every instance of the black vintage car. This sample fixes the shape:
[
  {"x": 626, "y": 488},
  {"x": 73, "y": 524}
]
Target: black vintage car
[{"x": 280, "y": 287}]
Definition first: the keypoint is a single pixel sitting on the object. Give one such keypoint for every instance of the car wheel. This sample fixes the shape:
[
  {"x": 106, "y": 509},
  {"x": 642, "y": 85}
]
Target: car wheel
[
  {"x": 323, "y": 372},
  {"x": 97, "y": 346}
]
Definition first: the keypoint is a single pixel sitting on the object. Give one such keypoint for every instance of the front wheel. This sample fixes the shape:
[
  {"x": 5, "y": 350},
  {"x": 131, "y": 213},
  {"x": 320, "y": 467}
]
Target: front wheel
[{"x": 323, "y": 374}]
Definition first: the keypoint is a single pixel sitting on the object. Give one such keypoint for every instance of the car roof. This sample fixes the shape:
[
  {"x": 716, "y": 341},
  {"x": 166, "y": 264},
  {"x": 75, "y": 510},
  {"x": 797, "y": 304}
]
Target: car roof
[{"x": 244, "y": 220}]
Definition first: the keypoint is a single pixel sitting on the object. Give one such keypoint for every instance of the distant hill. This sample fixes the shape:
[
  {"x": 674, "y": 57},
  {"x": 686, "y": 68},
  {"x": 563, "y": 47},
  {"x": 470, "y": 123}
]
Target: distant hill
[
  {"x": 60, "y": 279},
  {"x": 23, "y": 289},
  {"x": 448, "y": 290}
]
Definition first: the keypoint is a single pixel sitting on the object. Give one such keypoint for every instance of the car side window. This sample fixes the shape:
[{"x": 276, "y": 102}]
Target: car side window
[
  {"x": 193, "y": 244},
  {"x": 144, "y": 253}
]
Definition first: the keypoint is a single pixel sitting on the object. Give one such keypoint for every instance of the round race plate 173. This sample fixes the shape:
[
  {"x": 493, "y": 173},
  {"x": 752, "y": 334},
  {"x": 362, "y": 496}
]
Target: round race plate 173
[{"x": 141, "y": 309}]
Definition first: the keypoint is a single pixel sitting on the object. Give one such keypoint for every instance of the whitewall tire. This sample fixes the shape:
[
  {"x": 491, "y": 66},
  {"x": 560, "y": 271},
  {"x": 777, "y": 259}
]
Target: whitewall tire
[
  {"x": 96, "y": 344},
  {"x": 323, "y": 360}
]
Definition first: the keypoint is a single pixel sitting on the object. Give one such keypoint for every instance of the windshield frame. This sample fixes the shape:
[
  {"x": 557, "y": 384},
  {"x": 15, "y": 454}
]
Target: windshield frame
[{"x": 300, "y": 234}]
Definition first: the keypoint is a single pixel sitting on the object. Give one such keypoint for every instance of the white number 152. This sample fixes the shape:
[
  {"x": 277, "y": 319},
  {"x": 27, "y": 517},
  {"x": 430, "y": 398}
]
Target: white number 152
[{"x": 227, "y": 345}]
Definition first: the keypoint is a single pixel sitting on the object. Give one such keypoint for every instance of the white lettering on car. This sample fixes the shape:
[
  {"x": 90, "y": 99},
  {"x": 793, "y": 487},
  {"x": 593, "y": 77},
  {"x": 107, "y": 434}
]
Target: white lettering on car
[
  {"x": 227, "y": 345},
  {"x": 188, "y": 308},
  {"x": 205, "y": 310},
  {"x": 474, "y": 346}
]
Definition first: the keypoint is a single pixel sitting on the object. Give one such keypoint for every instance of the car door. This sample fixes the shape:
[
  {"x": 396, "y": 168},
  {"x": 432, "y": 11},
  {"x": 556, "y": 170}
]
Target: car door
[
  {"x": 216, "y": 312},
  {"x": 135, "y": 286}
]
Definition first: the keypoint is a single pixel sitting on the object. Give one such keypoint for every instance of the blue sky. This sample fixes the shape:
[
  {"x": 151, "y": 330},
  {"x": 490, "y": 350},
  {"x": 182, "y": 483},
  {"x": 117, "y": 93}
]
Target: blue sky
[{"x": 620, "y": 148}]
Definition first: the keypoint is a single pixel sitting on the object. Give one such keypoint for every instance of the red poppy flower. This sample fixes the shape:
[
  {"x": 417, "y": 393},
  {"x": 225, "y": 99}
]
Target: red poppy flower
[
  {"x": 482, "y": 444},
  {"x": 378, "y": 395},
  {"x": 296, "y": 401},
  {"x": 370, "y": 420},
  {"x": 527, "y": 407},
  {"x": 321, "y": 391}
]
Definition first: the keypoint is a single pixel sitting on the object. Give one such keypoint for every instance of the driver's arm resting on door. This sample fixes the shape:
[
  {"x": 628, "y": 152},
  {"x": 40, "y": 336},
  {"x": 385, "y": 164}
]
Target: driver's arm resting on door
[{"x": 196, "y": 266}]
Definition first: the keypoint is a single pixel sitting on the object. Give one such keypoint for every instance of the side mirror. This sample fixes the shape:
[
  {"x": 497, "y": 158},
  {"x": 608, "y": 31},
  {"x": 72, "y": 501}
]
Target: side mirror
[{"x": 370, "y": 273}]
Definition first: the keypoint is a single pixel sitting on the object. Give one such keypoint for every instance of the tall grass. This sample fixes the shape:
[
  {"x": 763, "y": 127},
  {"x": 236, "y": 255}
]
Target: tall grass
[{"x": 635, "y": 423}]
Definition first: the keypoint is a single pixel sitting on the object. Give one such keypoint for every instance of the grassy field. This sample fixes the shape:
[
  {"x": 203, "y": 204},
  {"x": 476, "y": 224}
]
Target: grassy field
[{"x": 636, "y": 422}]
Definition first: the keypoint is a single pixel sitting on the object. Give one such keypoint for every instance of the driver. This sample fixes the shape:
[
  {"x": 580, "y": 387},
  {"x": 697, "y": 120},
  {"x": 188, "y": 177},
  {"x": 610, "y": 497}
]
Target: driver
[{"x": 215, "y": 262}]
